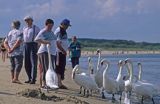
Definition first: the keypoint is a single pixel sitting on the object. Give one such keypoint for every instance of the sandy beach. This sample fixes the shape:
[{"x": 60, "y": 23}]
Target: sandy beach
[{"x": 9, "y": 92}]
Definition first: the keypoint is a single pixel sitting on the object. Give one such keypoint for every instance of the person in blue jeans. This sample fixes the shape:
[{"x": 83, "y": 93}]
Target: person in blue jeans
[
  {"x": 74, "y": 51},
  {"x": 13, "y": 44},
  {"x": 30, "y": 49}
]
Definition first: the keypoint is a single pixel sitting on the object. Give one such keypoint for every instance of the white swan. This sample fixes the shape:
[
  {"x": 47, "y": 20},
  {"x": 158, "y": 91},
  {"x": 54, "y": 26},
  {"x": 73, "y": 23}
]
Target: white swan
[
  {"x": 99, "y": 72},
  {"x": 90, "y": 73},
  {"x": 84, "y": 80},
  {"x": 99, "y": 58},
  {"x": 143, "y": 89},
  {"x": 109, "y": 85},
  {"x": 128, "y": 83},
  {"x": 90, "y": 67},
  {"x": 119, "y": 78},
  {"x": 51, "y": 76},
  {"x": 140, "y": 71}
]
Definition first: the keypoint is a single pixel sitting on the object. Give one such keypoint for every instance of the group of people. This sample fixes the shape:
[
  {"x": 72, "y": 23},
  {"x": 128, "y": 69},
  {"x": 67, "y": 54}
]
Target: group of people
[{"x": 31, "y": 45}]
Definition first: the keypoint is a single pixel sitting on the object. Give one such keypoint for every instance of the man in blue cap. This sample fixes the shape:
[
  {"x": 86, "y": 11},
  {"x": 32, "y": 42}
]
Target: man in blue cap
[{"x": 62, "y": 46}]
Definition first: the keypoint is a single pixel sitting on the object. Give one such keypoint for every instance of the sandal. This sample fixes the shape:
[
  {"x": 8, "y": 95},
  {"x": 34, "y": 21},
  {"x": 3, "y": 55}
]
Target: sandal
[
  {"x": 63, "y": 87},
  {"x": 45, "y": 87},
  {"x": 16, "y": 81}
]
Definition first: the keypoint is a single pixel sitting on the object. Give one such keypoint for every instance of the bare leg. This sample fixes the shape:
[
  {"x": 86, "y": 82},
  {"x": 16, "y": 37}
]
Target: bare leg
[
  {"x": 12, "y": 75},
  {"x": 59, "y": 80},
  {"x": 16, "y": 76},
  {"x": 3, "y": 56}
]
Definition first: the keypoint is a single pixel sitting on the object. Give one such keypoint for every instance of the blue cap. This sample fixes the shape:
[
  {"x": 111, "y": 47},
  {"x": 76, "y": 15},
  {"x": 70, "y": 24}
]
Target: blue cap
[{"x": 66, "y": 22}]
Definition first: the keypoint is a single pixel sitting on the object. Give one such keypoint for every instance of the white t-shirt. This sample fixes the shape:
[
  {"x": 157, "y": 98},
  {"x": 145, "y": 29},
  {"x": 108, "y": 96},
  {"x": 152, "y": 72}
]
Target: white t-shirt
[
  {"x": 62, "y": 37},
  {"x": 49, "y": 36}
]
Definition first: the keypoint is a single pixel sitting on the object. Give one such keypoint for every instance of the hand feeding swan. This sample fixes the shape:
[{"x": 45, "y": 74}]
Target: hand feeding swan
[{"x": 51, "y": 76}]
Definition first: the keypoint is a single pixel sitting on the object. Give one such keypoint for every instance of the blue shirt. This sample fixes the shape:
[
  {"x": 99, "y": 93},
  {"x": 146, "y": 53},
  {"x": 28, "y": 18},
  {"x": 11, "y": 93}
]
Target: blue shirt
[{"x": 75, "y": 49}]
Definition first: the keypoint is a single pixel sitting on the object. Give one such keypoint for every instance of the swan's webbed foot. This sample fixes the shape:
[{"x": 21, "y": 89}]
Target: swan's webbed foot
[
  {"x": 91, "y": 92},
  {"x": 120, "y": 98},
  {"x": 80, "y": 90},
  {"x": 103, "y": 96},
  {"x": 113, "y": 98},
  {"x": 153, "y": 101},
  {"x": 142, "y": 100},
  {"x": 84, "y": 93},
  {"x": 87, "y": 95}
]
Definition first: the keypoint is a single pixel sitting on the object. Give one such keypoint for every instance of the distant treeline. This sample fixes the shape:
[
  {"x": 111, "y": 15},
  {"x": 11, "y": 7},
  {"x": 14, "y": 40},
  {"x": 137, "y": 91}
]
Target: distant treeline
[{"x": 93, "y": 44}]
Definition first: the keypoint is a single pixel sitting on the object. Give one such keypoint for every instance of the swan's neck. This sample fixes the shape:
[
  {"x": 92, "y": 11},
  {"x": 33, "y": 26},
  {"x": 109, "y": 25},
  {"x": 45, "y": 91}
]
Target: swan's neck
[
  {"x": 105, "y": 70},
  {"x": 119, "y": 73},
  {"x": 90, "y": 67},
  {"x": 140, "y": 72},
  {"x": 49, "y": 58},
  {"x": 76, "y": 68},
  {"x": 131, "y": 71},
  {"x": 98, "y": 63}
]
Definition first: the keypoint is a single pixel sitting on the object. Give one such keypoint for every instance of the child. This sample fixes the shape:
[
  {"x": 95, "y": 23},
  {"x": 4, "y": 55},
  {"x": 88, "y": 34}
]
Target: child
[{"x": 3, "y": 51}]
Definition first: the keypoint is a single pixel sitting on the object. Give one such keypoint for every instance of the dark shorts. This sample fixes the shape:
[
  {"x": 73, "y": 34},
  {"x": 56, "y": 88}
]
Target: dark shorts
[
  {"x": 3, "y": 50},
  {"x": 16, "y": 63},
  {"x": 75, "y": 61},
  {"x": 60, "y": 64}
]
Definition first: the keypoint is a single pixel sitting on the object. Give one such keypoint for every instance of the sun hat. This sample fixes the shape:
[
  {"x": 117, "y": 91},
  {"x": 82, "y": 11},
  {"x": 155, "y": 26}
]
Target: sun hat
[{"x": 28, "y": 18}]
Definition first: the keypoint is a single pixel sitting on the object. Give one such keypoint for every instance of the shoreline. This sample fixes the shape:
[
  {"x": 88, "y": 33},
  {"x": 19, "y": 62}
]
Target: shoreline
[{"x": 104, "y": 52}]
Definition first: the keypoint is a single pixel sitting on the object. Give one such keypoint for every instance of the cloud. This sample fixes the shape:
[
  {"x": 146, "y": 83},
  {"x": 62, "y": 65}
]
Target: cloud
[
  {"x": 91, "y": 9},
  {"x": 105, "y": 8},
  {"x": 146, "y": 6},
  {"x": 50, "y": 8}
]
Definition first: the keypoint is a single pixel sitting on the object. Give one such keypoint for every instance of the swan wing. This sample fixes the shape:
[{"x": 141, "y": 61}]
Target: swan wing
[
  {"x": 85, "y": 81},
  {"x": 51, "y": 79}
]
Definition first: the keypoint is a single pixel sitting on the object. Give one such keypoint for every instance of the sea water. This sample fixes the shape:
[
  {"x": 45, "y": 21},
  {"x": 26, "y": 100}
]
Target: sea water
[{"x": 150, "y": 65}]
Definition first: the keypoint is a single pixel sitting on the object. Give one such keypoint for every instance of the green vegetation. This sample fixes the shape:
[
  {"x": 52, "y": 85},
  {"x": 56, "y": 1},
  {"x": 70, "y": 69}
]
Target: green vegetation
[
  {"x": 126, "y": 45},
  {"x": 93, "y": 44}
]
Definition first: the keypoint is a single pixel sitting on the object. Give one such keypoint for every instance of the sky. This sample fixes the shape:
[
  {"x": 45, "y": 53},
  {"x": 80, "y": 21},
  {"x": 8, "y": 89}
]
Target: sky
[{"x": 137, "y": 20}]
